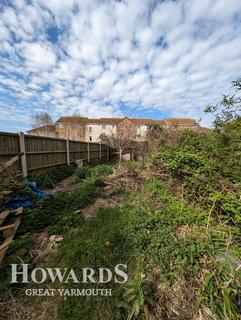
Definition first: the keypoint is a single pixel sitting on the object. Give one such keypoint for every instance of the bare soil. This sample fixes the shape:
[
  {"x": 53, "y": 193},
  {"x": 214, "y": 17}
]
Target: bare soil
[{"x": 91, "y": 210}]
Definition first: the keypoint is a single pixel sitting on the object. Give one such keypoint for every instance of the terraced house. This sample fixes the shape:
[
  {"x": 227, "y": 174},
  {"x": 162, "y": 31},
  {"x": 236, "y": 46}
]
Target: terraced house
[{"x": 86, "y": 129}]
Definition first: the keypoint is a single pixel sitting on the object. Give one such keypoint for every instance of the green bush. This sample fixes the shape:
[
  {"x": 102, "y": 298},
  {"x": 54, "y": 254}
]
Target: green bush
[
  {"x": 50, "y": 178},
  {"x": 99, "y": 170},
  {"x": 83, "y": 172}
]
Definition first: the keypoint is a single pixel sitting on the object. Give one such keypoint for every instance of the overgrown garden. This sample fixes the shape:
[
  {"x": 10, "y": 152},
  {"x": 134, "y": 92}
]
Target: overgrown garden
[{"x": 177, "y": 227}]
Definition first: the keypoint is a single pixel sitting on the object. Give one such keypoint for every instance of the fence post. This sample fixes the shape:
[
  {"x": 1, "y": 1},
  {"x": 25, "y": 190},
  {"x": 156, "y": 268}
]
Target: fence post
[
  {"x": 67, "y": 152},
  {"x": 100, "y": 153},
  {"x": 88, "y": 151},
  {"x": 23, "y": 157}
]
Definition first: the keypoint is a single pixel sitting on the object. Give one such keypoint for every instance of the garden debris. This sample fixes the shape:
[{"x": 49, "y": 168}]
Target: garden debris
[
  {"x": 10, "y": 162},
  {"x": 24, "y": 195},
  {"x": 8, "y": 231},
  {"x": 44, "y": 244},
  {"x": 68, "y": 184},
  {"x": 157, "y": 171},
  {"x": 191, "y": 231},
  {"x": 175, "y": 301},
  {"x": 3, "y": 216},
  {"x": 125, "y": 177},
  {"x": 54, "y": 241},
  {"x": 6, "y": 192},
  {"x": 55, "y": 238},
  {"x": 18, "y": 211}
]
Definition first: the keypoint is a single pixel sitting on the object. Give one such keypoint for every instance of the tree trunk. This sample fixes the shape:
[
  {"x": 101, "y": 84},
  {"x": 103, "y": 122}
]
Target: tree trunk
[{"x": 120, "y": 156}]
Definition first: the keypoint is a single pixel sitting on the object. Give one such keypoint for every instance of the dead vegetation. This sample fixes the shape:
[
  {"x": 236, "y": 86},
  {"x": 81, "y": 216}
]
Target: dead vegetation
[
  {"x": 22, "y": 307},
  {"x": 44, "y": 244},
  {"x": 175, "y": 301},
  {"x": 123, "y": 178},
  {"x": 68, "y": 184}
]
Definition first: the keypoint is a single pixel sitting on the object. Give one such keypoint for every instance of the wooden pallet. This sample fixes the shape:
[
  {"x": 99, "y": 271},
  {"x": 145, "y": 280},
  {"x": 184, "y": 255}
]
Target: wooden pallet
[
  {"x": 3, "y": 216},
  {"x": 9, "y": 230}
]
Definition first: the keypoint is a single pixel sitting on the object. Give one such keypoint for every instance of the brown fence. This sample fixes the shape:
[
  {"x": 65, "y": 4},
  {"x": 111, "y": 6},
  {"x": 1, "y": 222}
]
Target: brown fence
[{"x": 40, "y": 153}]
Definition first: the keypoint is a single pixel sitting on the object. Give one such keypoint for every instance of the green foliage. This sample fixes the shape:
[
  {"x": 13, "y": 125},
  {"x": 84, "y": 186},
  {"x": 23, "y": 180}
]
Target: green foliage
[
  {"x": 51, "y": 177},
  {"x": 20, "y": 189},
  {"x": 146, "y": 230},
  {"x": 98, "y": 171},
  {"x": 9, "y": 184},
  {"x": 50, "y": 212},
  {"x": 83, "y": 172},
  {"x": 95, "y": 242},
  {"x": 200, "y": 163},
  {"x": 186, "y": 161},
  {"x": 56, "y": 214},
  {"x": 139, "y": 295},
  {"x": 221, "y": 290},
  {"x": 178, "y": 224},
  {"x": 227, "y": 110},
  {"x": 101, "y": 170},
  {"x": 17, "y": 253}
]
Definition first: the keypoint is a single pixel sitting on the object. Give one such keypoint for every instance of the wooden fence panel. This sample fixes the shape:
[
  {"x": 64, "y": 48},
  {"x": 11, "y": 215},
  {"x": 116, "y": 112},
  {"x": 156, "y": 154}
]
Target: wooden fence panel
[
  {"x": 9, "y": 147},
  {"x": 78, "y": 150},
  {"x": 45, "y": 152},
  {"x": 94, "y": 151},
  {"x": 104, "y": 154}
]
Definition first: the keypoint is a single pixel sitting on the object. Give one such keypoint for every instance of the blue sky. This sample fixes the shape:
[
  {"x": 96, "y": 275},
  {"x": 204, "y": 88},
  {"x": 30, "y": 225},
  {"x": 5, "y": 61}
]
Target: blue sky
[{"x": 135, "y": 58}]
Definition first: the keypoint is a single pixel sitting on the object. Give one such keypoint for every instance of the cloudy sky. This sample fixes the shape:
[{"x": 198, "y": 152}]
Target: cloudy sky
[{"x": 140, "y": 58}]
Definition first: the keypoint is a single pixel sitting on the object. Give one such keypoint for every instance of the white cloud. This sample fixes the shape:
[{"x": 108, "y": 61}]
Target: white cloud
[
  {"x": 169, "y": 57},
  {"x": 38, "y": 55}
]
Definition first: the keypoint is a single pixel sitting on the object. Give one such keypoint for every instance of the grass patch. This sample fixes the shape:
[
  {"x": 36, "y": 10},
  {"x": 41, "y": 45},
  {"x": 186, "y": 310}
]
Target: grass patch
[{"x": 162, "y": 240}]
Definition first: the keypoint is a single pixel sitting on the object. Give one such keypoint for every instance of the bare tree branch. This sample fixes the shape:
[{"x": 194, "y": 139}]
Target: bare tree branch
[{"x": 41, "y": 119}]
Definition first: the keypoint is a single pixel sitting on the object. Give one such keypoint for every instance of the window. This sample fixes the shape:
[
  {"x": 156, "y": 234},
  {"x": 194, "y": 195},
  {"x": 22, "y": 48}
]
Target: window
[
  {"x": 90, "y": 138},
  {"x": 90, "y": 129},
  {"x": 61, "y": 125},
  {"x": 61, "y": 135},
  {"x": 51, "y": 135},
  {"x": 103, "y": 126}
]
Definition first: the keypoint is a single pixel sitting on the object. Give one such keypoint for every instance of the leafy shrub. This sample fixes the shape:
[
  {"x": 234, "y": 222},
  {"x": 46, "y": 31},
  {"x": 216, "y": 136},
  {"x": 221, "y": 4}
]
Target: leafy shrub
[
  {"x": 99, "y": 170},
  {"x": 83, "y": 172},
  {"x": 185, "y": 161},
  {"x": 51, "y": 177}
]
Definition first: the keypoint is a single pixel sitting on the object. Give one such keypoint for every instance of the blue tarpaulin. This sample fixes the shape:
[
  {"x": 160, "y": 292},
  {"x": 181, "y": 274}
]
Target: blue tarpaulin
[{"x": 25, "y": 202}]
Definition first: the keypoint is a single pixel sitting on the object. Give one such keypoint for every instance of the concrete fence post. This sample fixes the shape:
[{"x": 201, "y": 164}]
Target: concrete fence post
[
  {"x": 100, "y": 153},
  {"x": 88, "y": 151},
  {"x": 67, "y": 152},
  {"x": 23, "y": 157}
]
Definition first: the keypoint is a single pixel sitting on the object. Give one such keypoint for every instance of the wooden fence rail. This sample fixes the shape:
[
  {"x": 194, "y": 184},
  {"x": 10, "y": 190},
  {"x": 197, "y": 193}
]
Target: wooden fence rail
[{"x": 40, "y": 153}]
